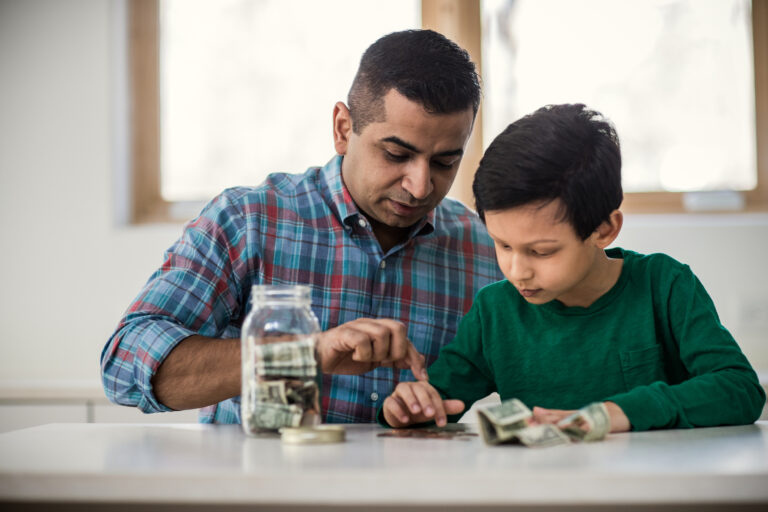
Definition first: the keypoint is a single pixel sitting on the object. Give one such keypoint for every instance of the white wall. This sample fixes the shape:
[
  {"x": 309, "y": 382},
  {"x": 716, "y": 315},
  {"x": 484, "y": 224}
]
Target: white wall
[{"x": 68, "y": 270}]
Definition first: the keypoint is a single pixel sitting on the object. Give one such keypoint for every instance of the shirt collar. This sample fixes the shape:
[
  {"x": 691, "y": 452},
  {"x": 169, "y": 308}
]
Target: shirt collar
[{"x": 339, "y": 199}]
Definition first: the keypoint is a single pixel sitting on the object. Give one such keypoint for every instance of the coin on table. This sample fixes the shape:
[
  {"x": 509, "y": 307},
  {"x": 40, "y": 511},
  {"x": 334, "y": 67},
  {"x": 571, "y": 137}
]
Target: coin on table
[{"x": 319, "y": 434}]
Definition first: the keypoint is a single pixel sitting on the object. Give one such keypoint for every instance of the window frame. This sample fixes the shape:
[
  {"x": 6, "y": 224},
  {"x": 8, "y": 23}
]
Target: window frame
[{"x": 459, "y": 20}]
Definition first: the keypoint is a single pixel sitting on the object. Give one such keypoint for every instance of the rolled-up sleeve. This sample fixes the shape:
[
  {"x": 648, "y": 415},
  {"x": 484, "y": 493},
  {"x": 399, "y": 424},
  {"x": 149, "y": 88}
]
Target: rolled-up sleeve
[{"x": 197, "y": 290}]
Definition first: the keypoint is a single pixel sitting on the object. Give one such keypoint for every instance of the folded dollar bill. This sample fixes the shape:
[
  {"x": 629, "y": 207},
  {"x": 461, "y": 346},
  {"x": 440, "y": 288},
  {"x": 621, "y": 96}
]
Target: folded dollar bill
[
  {"x": 501, "y": 422},
  {"x": 273, "y": 416},
  {"x": 287, "y": 359},
  {"x": 590, "y": 423},
  {"x": 508, "y": 422}
]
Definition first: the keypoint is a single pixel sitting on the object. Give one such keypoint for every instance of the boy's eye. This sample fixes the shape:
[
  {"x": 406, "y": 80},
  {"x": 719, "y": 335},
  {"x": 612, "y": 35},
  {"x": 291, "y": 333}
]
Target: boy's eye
[{"x": 542, "y": 254}]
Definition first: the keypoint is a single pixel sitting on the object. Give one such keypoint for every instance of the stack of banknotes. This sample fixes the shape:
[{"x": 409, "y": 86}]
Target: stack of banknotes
[
  {"x": 509, "y": 422},
  {"x": 286, "y": 392}
]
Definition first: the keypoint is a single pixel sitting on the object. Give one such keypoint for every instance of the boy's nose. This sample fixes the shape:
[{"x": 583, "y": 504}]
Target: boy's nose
[
  {"x": 418, "y": 179},
  {"x": 519, "y": 270}
]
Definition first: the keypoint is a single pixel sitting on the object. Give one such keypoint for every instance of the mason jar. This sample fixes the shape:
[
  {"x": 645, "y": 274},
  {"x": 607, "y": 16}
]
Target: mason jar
[{"x": 279, "y": 364}]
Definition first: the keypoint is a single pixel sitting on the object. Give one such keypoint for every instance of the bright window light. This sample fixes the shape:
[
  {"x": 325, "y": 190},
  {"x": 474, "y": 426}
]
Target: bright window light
[
  {"x": 248, "y": 87},
  {"x": 675, "y": 76}
]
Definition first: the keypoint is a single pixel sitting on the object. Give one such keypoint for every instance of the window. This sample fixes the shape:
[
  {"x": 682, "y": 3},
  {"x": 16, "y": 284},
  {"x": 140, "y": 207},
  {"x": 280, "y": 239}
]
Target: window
[
  {"x": 675, "y": 76},
  {"x": 224, "y": 108},
  {"x": 687, "y": 123},
  {"x": 247, "y": 88}
]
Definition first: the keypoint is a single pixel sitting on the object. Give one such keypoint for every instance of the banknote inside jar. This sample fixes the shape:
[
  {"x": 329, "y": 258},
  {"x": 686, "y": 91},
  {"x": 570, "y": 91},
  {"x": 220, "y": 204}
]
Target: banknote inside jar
[{"x": 279, "y": 384}]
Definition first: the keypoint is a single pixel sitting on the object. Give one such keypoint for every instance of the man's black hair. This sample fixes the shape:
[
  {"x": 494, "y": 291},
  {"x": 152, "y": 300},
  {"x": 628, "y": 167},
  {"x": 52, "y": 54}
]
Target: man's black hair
[
  {"x": 422, "y": 65},
  {"x": 566, "y": 152}
]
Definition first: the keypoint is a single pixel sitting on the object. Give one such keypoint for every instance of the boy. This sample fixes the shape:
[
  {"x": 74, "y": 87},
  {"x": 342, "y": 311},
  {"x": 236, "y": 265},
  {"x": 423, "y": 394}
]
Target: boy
[{"x": 575, "y": 323}]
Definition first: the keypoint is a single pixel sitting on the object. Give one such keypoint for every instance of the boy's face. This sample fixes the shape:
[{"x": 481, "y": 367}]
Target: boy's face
[{"x": 543, "y": 257}]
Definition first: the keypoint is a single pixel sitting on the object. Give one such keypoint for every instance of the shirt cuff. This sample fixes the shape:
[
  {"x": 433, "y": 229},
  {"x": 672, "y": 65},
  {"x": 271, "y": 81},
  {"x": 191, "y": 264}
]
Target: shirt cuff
[
  {"x": 642, "y": 409},
  {"x": 156, "y": 342}
]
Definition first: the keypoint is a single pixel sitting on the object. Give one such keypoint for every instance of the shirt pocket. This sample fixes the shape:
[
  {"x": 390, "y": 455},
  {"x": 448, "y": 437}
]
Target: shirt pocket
[{"x": 642, "y": 366}]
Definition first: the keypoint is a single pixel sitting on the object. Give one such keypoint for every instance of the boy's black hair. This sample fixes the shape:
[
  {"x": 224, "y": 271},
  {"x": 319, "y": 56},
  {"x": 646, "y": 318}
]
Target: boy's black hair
[
  {"x": 422, "y": 65},
  {"x": 566, "y": 152}
]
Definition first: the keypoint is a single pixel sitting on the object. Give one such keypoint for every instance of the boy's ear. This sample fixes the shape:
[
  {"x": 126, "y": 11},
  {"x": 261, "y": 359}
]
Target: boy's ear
[
  {"x": 342, "y": 127},
  {"x": 607, "y": 232}
]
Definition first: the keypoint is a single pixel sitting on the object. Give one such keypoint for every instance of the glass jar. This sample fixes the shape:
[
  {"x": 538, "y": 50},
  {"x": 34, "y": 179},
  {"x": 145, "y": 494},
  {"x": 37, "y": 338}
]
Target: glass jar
[{"x": 279, "y": 379}]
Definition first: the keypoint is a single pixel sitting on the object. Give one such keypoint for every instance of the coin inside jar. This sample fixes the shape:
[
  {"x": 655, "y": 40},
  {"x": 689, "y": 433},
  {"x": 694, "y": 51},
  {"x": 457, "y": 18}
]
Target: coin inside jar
[{"x": 319, "y": 434}]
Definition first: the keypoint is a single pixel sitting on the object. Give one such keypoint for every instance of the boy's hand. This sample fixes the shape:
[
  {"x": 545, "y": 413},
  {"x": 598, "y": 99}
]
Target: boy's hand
[
  {"x": 619, "y": 420},
  {"x": 418, "y": 402}
]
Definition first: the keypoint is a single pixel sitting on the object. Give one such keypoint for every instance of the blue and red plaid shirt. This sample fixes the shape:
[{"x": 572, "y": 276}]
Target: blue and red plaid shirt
[{"x": 301, "y": 229}]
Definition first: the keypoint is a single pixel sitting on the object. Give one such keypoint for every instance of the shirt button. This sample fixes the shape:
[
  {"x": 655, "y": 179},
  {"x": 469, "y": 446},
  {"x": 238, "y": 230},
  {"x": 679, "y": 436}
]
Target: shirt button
[
  {"x": 383, "y": 264},
  {"x": 361, "y": 222},
  {"x": 374, "y": 396}
]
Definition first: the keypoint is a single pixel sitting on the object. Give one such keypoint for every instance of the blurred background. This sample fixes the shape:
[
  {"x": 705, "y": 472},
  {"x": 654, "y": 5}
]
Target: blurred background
[{"x": 119, "y": 119}]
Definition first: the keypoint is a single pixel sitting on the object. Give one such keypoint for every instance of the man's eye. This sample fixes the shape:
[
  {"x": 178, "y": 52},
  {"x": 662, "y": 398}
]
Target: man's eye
[
  {"x": 542, "y": 254},
  {"x": 395, "y": 157},
  {"x": 442, "y": 165}
]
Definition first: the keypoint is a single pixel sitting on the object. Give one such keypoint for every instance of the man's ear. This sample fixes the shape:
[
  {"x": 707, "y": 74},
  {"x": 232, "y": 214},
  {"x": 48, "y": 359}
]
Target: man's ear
[
  {"x": 607, "y": 232},
  {"x": 342, "y": 127}
]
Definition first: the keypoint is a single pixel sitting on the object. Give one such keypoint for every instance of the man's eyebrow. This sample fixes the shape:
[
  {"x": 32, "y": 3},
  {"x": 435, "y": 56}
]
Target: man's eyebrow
[{"x": 410, "y": 147}]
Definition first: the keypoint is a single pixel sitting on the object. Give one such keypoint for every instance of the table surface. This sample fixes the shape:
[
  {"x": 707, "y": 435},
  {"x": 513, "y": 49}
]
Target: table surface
[{"x": 192, "y": 463}]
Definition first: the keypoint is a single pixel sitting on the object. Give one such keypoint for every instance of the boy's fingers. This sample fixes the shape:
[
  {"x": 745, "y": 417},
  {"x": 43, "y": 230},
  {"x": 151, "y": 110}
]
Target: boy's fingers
[
  {"x": 426, "y": 398},
  {"x": 405, "y": 392},
  {"x": 395, "y": 412},
  {"x": 453, "y": 406},
  {"x": 439, "y": 407}
]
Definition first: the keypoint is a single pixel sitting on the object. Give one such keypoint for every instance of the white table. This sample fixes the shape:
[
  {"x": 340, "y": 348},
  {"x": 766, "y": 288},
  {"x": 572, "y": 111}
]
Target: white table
[{"x": 219, "y": 466}]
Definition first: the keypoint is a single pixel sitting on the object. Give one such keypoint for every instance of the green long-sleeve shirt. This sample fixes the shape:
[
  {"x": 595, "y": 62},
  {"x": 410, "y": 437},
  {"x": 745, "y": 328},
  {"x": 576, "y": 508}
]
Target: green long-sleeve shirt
[{"x": 653, "y": 344}]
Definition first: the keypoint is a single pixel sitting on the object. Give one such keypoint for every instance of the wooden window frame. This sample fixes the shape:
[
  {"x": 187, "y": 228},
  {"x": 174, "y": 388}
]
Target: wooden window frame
[{"x": 459, "y": 20}]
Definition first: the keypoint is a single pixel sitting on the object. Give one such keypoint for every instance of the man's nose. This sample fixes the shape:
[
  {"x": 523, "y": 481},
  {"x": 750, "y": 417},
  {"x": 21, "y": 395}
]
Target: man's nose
[{"x": 417, "y": 180}]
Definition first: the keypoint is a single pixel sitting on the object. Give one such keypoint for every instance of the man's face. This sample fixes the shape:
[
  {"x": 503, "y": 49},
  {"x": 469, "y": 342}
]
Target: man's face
[
  {"x": 543, "y": 257},
  {"x": 399, "y": 169}
]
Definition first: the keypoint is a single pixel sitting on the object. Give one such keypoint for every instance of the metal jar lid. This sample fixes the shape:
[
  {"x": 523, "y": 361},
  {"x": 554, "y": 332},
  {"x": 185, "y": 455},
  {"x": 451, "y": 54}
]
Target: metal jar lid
[{"x": 319, "y": 434}]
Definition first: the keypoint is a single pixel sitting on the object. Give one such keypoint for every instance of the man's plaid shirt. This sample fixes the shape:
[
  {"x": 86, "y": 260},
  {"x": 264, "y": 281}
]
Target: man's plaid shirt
[{"x": 301, "y": 229}]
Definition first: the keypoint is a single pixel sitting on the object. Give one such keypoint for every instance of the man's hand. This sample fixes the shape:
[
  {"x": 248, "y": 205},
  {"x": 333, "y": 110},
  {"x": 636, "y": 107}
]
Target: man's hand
[
  {"x": 361, "y": 345},
  {"x": 619, "y": 420},
  {"x": 418, "y": 402}
]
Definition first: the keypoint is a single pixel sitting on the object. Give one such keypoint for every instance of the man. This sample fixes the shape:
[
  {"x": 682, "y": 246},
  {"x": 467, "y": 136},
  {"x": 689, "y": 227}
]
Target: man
[{"x": 389, "y": 261}]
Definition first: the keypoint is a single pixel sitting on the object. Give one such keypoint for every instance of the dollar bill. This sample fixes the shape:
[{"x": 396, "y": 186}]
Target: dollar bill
[
  {"x": 590, "y": 423},
  {"x": 272, "y": 391},
  {"x": 286, "y": 359},
  {"x": 505, "y": 413},
  {"x": 271, "y": 416},
  {"x": 305, "y": 394},
  {"x": 509, "y": 422},
  {"x": 540, "y": 436}
]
